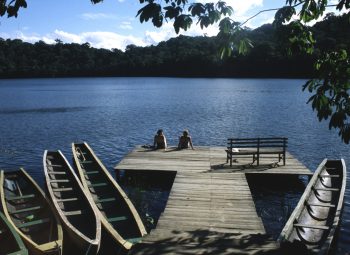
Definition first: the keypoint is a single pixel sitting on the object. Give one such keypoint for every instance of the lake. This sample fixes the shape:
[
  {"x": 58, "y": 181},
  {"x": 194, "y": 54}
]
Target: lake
[{"x": 115, "y": 114}]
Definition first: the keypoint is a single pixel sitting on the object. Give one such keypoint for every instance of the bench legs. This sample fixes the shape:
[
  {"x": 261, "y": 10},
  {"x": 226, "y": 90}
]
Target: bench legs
[
  {"x": 256, "y": 157},
  {"x": 282, "y": 156},
  {"x": 228, "y": 157}
]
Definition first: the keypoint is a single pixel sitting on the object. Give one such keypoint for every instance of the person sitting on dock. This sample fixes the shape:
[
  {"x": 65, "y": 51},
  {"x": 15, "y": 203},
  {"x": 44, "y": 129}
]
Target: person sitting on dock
[
  {"x": 159, "y": 140},
  {"x": 185, "y": 141}
]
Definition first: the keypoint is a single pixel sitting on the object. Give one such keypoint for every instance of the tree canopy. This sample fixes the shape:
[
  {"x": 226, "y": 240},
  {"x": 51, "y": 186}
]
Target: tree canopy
[
  {"x": 181, "y": 56},
  {"x": 331, "y": 85}
]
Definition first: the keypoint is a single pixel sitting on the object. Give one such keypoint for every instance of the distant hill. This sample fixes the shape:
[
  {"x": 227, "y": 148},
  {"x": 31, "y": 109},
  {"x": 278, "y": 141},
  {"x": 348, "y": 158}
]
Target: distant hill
[{"x": 182, "y": 56}]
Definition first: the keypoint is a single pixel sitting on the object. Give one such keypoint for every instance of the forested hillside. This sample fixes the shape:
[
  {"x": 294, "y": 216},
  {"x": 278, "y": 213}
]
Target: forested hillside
[{"x": 181, "y": 56}]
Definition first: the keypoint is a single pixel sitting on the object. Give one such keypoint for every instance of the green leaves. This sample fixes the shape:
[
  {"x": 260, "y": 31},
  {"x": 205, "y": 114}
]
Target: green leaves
[
  {"x": 224, "y": 9},
  {"x": 172, "y": 11},
  {"x": 310, "y": 10},
  {"x": 11, "y": 8},
  {"x": 3, "y": 8},
  {"x": 197, "y": 9},
  {"x": 314, "y": 9},
  {"x": 151, "y": 11},
  {"x": 331, "y": 91},
  {"x": 332, "y": 87},
  {"x": 342, "y": 4},
  {"x": 225, "y": 26},
  {"x": 283, "y": 15},
  {"x": 206, "y": 14},
  {"x": 182, "y": 21},
  {"x": 232, "y": 38},
  {"x": 296, "y": 38},
  {"x": 244, "y": 46}
]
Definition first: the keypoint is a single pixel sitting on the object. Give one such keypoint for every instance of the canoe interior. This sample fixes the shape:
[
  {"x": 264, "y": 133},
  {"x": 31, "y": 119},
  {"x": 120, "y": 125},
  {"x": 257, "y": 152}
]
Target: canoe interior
[
  {"x": 69, "y": 196},
  {"x": 9, "y": 237},
  {"x": 28, "y": 209},
  {"x": 316, "y": 219},
  {"x": 106, "y": 197}
]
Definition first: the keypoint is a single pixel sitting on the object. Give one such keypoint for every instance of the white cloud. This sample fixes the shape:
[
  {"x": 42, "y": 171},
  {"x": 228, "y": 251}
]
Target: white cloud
[
  {"x": 68, "y": 37},
  {"x": 31, "y": 38},
  {"x": 97, "y": 39},
  {"x": 167, "y": 31},
  {"x": 109, "y": 40},
  {"x": 160, "y": 34},
  {"x": 125, "y": 25},
  {"x": 100, "y": 39},
  {"x": 97, "y": 16},
  {"x": 240, "y": 7},
  {"x": 244, "y": 9},
  {"x": 327, "y": 11},
  {"x": 241, "y": 11}
]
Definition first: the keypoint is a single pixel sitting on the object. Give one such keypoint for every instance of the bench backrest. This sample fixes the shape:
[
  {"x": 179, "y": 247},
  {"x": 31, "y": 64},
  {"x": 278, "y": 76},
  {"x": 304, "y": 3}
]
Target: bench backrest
[{"x": 272, "y": 142}]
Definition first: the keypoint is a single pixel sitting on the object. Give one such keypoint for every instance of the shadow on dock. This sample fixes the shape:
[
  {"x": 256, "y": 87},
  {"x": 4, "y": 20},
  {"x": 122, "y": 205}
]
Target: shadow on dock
[
  {"x": 210, "y": 208},
  {"x": 207, "y": 242}
]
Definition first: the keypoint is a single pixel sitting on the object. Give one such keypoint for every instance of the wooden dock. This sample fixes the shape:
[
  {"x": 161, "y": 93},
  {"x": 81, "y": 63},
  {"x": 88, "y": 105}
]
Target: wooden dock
[{"x": 210, "y": 207}]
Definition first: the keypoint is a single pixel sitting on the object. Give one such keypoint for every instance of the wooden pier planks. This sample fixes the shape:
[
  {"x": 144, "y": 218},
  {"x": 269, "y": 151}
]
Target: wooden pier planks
[
  {"x": 208, "y": 199},
  {"x": 206, "y": 159},
  {"x": 211, "y": 202}
]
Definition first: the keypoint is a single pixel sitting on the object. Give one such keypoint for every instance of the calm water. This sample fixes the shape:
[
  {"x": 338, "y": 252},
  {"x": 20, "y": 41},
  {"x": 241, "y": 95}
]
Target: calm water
[{"x": 115, "y": 114}]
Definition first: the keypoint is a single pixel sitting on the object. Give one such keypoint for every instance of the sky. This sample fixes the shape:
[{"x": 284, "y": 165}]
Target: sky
[{"x": 112, "y": 23}]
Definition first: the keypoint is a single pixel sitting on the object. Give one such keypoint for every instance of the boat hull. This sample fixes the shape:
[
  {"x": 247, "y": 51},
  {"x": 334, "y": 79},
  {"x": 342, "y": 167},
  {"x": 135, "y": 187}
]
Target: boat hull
[
  {"x": 73, "y": 205},
  {"x": 14, "y": 244},
  {"x": 315, "y": 219},
  {"x": 24, "y": 209},
  {"x": 118, "y": 215}
]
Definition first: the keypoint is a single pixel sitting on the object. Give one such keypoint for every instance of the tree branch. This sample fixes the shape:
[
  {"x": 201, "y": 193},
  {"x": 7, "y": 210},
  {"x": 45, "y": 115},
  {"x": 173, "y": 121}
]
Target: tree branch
[
  {"x": 252, "y": 17},
  {"x": 276, "y": 9}
]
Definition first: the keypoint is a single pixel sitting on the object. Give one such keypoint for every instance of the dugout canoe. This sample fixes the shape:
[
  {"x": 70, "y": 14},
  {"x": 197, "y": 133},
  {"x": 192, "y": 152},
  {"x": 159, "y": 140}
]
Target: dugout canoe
[
  {"x": 314, "y": 221},
  {"x": 10, "y": 242},
  {"x": 74, "y": 206},
  {"x": 118, "y": 215},
  {"x": 30, "y": 213}
]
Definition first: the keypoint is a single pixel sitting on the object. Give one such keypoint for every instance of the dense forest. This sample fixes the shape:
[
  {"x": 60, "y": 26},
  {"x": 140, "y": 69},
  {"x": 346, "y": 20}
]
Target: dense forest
[{"x": 181, "y": 56}]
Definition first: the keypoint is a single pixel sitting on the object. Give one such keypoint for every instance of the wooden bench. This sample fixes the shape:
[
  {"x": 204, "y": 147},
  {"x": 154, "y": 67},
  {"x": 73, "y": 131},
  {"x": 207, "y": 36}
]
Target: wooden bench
[{"x": 256, "y": 146}]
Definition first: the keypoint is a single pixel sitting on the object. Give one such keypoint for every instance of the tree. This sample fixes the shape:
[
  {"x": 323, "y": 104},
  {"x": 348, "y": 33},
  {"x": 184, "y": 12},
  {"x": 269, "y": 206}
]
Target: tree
[
  {"x": 11, "y": 8},
  {"x": 330, "y": 88}
]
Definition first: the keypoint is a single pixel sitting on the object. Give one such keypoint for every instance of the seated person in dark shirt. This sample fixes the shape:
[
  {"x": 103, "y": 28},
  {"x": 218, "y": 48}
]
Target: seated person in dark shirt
[
  {"x": 160, "y": 140},
  {"x": 185, "y": 141}
]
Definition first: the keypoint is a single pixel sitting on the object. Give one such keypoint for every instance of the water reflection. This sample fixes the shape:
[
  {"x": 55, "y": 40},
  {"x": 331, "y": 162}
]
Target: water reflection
[
  {"x": 275, "y": 198},
  {"x": 115, "y": 114},
  {"x": 43, "y": 110},
  {"x": 149, "y": 191}
]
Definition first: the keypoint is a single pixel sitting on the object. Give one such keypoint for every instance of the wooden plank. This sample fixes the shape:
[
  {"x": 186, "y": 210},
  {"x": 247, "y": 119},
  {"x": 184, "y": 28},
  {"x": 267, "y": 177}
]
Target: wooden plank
[
  {"x": 117, "y": 219},
  {"x": 57, "y": 172},
  {"x": 20, "y": 197},
  {"x": 73, "y": 213},
  {"x": 33, "y": 223},
  {"x": 67, "y": 200},
  {"x": 321, "y": 205},
  {"x": 62, "y": 189},
  {"x": 29, "y": 209},
  {"x": 207, "y": 195},
  {"x": 311, "y": 226}
]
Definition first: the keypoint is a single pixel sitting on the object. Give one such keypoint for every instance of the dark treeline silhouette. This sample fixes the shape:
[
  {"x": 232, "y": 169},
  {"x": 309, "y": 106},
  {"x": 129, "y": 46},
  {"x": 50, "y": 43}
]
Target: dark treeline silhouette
[{"x": 181, "y": 56}]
